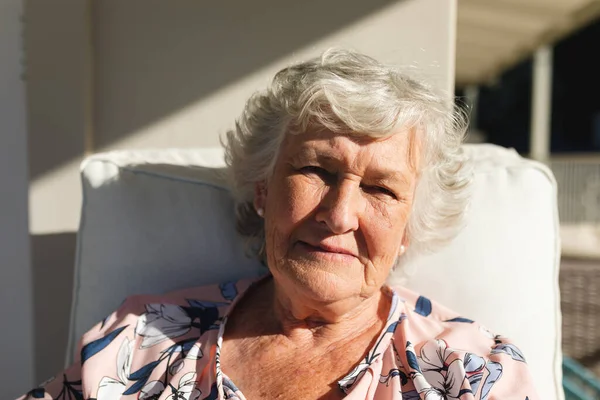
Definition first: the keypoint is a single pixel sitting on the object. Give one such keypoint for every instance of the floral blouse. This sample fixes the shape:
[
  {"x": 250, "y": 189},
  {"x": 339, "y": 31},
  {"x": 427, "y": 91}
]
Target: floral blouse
[{"x": 168, "y": 347}]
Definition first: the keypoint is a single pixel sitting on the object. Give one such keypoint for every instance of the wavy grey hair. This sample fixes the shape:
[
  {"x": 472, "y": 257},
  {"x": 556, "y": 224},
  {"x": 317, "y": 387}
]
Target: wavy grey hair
[{"x": 350, "y": 93}]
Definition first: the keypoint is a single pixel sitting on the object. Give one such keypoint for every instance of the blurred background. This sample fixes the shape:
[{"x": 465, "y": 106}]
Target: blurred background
[
  {"x": 84, "y": 76},
  {"x": 529, "y": 72}
]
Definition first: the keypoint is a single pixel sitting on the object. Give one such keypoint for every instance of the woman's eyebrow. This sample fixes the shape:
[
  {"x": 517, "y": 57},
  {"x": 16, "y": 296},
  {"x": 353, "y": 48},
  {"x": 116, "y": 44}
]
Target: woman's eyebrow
[
  {"x": 379, "y": 174},
  {"x": 311, "y": 154}
]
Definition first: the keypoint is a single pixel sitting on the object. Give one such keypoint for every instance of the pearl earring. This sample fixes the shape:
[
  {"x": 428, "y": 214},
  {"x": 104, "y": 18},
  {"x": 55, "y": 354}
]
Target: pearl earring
[
  {"x": 402, "y": 249},
  {"x": 260, "y": 211}
]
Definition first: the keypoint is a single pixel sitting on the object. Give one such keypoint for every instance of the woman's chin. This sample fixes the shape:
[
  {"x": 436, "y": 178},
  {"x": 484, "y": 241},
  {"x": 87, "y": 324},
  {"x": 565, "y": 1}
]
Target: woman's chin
[{"x": 319, "y": 282}]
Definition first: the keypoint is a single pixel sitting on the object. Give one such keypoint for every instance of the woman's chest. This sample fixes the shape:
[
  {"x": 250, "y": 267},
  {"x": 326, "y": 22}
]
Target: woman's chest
[{"x": 282, "y": 375}]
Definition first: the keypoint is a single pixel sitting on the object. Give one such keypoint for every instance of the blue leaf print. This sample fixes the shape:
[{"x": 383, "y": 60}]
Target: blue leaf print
[
  {"x": 188, "y": 344},
  {"x": 473, "y": 363},
  {"x": 412, "y": 360},
  {"x": 36, "y": 393},
  {"x": 392, "y": 327},
  {"x": 228, "y": 290},
  {"x": 99, "y": 344},
  {"x": 205, "y": 304},
  {"x": 495, "y": 372},
  {"x": 423, "y": 306},
  {"x": 143, "y": 372},
  {"x": 207, "y": 317},
  {"x": 392, "y": 374},
  {"x": 474, "y": 366},
  {"x": 183, "y": 346},
  {"x": 141, "y": 376},
  {"x": 136, "y": 387},
  {"x": 475, "y": 381},
  {"x": 176, "y": 348},
  {"x": 403, "y": 377},
  {"x": 460, "y": 319},
  {"x": 229, "y": 384},
  {"x": 214, "y": 394},
  {"x": 510, "y": 349}
]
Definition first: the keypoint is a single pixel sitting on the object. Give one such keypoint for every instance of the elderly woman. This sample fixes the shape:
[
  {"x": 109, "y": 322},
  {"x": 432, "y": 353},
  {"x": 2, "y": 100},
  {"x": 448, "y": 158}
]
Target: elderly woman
[{"x": 340, "y": 170}]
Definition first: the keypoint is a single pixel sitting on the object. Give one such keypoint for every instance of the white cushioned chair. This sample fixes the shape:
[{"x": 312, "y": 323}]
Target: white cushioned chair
[{"x": 152, "y": 219}]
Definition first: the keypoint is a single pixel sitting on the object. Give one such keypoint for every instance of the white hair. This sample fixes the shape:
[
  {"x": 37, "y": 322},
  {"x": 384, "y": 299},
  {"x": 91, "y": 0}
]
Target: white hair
[{"x": 350, "y": 93}]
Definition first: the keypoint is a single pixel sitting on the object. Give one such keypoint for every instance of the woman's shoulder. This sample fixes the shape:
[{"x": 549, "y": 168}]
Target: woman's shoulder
[
  {"x": 435, "y": 339},
  {"x": 157, "y": 317},
  {"x": 219, "y": 293},
  {"x": 425, "y": 307},
  {"x": 429, "y": 320},
  {"x": 146, "y": 337}
]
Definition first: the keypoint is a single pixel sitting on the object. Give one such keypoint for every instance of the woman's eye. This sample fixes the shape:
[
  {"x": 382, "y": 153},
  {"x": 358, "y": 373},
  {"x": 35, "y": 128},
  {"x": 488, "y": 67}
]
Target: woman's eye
[
  {"x": 311, "y": 169},
  {"x": 380, "y": 190},
  {"x": 321, "y": 173}
]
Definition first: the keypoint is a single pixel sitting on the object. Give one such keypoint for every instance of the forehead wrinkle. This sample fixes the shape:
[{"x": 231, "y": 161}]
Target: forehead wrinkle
[{"x": 323, "y": 150}]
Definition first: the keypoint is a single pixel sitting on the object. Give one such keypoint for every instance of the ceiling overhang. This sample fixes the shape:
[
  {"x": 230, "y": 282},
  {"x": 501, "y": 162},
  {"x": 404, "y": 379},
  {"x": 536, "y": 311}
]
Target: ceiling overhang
[{"x": 493, "y": 35}]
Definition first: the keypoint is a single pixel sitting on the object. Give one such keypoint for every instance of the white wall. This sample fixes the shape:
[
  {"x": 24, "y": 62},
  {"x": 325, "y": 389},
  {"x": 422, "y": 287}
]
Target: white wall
[
  {"x": 176, "y": 74},
  {"x": 56, "y": 46},
  {"x": 16, "y": 344},
  {"x": 161, "y": 85}
]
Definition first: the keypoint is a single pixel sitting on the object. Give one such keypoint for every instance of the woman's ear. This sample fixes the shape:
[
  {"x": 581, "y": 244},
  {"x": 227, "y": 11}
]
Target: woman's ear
[
  {"x": 404, "y": 243},
  {"x": 260, "y": 197}
]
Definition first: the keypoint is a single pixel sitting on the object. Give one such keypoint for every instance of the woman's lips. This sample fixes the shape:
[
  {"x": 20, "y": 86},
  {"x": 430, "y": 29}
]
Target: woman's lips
[{"x": 327, "y": 248}]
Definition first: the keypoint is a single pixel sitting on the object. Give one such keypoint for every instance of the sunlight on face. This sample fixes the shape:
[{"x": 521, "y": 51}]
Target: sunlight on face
[{"x": 336, "y": 210}]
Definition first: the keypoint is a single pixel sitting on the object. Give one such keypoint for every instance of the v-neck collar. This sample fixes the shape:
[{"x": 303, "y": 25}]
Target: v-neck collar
[{"x": 346, "y": 383}]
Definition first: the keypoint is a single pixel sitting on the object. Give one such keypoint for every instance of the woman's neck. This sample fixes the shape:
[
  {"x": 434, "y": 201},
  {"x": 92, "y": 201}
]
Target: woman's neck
[
  {"x": 272, "y": 332},
  {"x": 304, "y": 320}
]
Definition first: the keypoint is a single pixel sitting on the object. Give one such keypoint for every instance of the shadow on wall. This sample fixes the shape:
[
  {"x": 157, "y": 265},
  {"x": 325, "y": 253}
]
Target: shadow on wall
[
  {"x": 152, "y": 59},
  {"x": 53, "y": 259}
]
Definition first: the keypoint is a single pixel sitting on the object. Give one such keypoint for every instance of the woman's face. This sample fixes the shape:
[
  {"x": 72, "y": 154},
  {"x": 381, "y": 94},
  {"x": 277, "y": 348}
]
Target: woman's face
[{"x": 336, "y": 210}]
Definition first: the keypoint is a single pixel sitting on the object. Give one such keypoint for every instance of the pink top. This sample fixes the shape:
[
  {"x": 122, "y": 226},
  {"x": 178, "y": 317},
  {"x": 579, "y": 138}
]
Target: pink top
[{"x": 168, "y": 347}]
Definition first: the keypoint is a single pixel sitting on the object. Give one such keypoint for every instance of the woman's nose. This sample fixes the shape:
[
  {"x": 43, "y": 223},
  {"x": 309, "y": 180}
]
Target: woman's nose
[{"x": 340, "y": 207}]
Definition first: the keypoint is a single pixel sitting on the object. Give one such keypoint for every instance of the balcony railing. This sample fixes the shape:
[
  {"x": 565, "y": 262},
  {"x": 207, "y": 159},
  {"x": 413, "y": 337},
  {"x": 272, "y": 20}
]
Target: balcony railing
[{"x": 578, "y": 179}]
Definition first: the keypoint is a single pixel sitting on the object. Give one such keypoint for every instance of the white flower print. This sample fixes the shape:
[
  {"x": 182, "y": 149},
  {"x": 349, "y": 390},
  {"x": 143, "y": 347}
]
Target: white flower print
[
  {"x": 442, "y": 378},
  {"x": 152, "y": 390},
  {"x": 162, "y": 322},
  {"x": 353, "y": 376},
  {"x": 186, "y": 389},
  {"x": 110, "y": 388},
  {"x": 195, "y": 353}
]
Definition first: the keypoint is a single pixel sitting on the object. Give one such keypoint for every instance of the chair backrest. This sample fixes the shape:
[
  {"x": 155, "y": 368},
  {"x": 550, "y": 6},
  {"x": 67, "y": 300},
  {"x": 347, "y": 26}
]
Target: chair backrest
[{"x": 152, "y": 219}]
